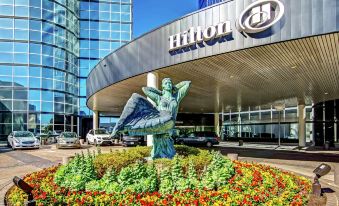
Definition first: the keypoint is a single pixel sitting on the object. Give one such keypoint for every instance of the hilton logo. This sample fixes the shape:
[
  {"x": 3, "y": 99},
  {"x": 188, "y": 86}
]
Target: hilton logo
[{"x": 257, "y": 17}]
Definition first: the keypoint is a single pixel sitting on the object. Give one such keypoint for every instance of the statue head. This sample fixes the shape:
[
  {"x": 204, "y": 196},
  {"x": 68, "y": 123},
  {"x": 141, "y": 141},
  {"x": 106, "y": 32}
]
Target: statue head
[{"x": 167, "y": 85}]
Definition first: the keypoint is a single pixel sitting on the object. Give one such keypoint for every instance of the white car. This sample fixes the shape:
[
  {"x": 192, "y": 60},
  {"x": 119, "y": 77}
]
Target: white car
[
  {"x": 22, "y": 139},
  {"x": 68, "y": 140},
  {"x": 99, "y": 137}
]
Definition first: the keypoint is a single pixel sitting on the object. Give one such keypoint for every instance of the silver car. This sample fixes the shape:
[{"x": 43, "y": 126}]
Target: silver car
[
  {"x": 68, "y": 140},
  {"x": 22, "y": 139}
]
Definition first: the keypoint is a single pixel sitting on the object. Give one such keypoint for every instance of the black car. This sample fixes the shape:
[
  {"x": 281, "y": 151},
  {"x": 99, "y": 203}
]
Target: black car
[
  {"x": 132, "y": 140},
  {"x": 199, "y": 138}
]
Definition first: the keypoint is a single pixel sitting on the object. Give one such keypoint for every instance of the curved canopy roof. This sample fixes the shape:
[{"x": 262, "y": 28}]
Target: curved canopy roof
[{"x": 295, "y": 60}]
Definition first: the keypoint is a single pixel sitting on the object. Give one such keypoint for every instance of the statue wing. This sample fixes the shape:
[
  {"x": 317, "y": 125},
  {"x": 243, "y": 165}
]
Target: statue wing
[
  {"x": 140, "y": 117},
  {"x": 152, "y": 93},
  {"x": 182, "y": 89}
]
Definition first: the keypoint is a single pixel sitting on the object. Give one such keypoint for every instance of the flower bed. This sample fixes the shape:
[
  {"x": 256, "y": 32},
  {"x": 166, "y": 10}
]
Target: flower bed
[{"x": 222, "y": 182}]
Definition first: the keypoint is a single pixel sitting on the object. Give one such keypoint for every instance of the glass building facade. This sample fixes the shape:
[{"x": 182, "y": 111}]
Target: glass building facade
[
  {"x": 47, "y": 48},
  {"x": 104, "y": 27},
  {"x": 38, "y": 65},
  {"x": 206, "y": 3}
]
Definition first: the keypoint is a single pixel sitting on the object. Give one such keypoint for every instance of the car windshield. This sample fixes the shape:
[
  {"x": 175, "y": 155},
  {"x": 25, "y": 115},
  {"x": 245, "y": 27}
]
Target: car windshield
[
  {"x": 23, "y": 134},
  {"x": 69, "y": 135},
  {"x": 101, "y": 131}
]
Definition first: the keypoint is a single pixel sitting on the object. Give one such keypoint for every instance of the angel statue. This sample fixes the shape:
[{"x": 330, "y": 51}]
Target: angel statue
[{"x": 141, "y": 117}]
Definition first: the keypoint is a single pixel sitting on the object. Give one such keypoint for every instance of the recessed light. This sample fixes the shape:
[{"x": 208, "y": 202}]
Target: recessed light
[
  {"x": 231, "y": 76},
  {"x": 293, "y": 67},
  {"x": 326, "y": 93}
]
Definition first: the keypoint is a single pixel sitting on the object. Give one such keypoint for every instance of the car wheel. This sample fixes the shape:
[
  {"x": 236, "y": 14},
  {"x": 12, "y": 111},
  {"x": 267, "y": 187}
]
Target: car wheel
[
  {"x": 8, "y": 145},
  {"x": 95, "y": 142},
  {"x": 87, "y": 141},
  {"x": 209, "y": 144}
]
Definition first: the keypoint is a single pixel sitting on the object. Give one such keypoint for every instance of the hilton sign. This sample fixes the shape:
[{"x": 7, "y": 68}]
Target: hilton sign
[{"x": 257, "y": 17}]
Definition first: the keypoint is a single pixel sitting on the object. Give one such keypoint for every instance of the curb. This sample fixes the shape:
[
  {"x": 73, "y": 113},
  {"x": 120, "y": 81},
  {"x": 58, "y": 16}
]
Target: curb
[{"x": 3, "y": 190}]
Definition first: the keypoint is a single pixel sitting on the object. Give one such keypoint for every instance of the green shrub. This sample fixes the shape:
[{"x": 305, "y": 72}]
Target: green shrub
[
  {"x": 119, "y": 159},
  {"x": 77, "y": 173}
]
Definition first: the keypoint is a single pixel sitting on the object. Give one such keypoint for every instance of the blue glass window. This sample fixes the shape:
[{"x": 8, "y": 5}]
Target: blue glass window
[
  {"x": 21, "y": 11},
  {"x": 20, "y": 82},
  {"x": 35, "y": 35},
  {"x": 35, "y": 12},
  {"x": 34, "y": 95},
  {"x": 125, "y": 36},
  {"x": 60, "y": 108},
  {"x": 20, "y": 94},
  {"x": 6, "y": 23},
  {"x": 59, "y": 97},
  {"x": 48, "y": 5},
  {"x": 34, "y": 106},
  {"x": 6, "y": 33},
  {"x": 6, "y": 10},
  {"x": 47, "y": 73},
  {"x": 47, "y": 95},
  {"x": 21, "y": 23},
  {"x": 34, "y": 59},
  {"x": 125, "y": 17},
  {"x": 115, "y": 35},
  {"x": 126, "y": 8},
  {"x": 47, "y": 118},
  {"x": 35, "y": 25},
  {"x": 5, "y": 70},
  {"x": 104, "y": 7},
  {"x": 34, "y": 71},
  {"x": 59, "y": 85},
  {"x": 35, "y": 48},
  {"x": 47, "y": 84},
  {"x": 47, "y": 107},
  {"x": 20, "y": 47},
  {"x": 104, "y": 16},
  {"x": 47, "y": 15},
  {"x": 84, "y": 5},
  {"x": 115, "y": 8},
  {"x": 6, "y": 93},
  {"x": 115, "y": 16},
  {"x": 125, "y": 27},
  {"x": 35, "y": 3},
  {"x": 47, "y": 61},
  {"x": 47, "y": 38},
  {"x": 6, "y": 2},
  {"x": 5, "y": 81},
  {"x": 21, "y": 34},
  {"x": 20, "y": 71},
  {"x": 6, "y": 46},
  {"x": 34, "y": 82},
  {"x": 21, "y": 58},
  {"x": 6, "y": 57},
  {"x": 19, "y": 105},
  {"x": 21, "y": 2}
]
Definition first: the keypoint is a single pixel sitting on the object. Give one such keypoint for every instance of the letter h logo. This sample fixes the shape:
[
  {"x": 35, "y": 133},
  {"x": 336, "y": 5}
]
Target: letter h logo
[{"x": 260, "y": 15}]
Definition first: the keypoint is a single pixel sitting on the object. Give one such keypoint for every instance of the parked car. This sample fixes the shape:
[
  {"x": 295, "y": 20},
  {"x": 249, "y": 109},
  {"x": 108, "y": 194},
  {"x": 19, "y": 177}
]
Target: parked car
[
  {"x": 199, "y": 138},
  {"x": 99, "y": 137},
  {"x": 22, "y": 139},
  {"x": 132, "y": 140},
  {"x": 68, "y": 140}
]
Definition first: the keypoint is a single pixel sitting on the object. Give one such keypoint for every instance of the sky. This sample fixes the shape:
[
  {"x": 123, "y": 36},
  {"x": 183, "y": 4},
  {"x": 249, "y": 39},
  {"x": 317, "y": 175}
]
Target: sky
[{"x": 150, "y": 14}]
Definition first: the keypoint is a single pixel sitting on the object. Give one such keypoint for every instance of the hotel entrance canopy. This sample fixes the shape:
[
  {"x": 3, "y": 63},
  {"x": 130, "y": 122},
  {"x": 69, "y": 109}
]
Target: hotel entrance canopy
[{"x": 231, "y": 63}]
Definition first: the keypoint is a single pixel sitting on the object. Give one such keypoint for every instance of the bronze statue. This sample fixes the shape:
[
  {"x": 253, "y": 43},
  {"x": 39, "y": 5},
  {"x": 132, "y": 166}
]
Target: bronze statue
[{"x": 140, "y": 117}]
